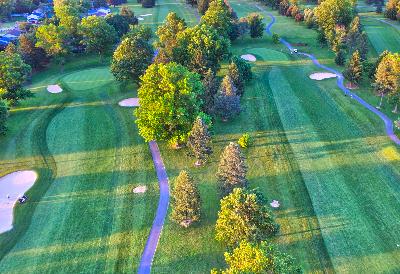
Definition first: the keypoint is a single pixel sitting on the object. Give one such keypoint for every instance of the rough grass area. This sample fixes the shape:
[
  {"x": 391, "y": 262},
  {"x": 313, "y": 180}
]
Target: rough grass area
[{"x": 88, "y": 79}]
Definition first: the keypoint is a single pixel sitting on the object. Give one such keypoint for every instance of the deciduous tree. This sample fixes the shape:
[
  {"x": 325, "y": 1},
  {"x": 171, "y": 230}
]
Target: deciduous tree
[
  {"x": 118, "y": 22},
  {"x": 231, "y": 171},
  {"x": 243, "y": 27},
  {"x": 129, "y": 15},
  {"x": 99, "y": 36},
  {"x": 131, "y": 59},
  {"x": 197, "y": 140},
  {"x": 168, "y": 33},
  {"x": 244, "y": 215},
  {"x": 13, "y": 75},
  {"x": 140, "y": 31},
  {"x": 186, "y": 201},
  {"x": 256, "y": 25},
  {"x": 218, "y": 16},
  {"x": 168, "y": 102},
  {"x": 32, "y": 55},
  {"x": 333, "y": 12}
]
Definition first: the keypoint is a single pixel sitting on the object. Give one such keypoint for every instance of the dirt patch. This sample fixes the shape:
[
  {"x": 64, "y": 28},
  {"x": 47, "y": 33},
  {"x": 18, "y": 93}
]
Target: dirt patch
[
  {"x": 139, "y": 189},
  {"x": 301, "y": 45},
  {"x": 350, "y": 86}
]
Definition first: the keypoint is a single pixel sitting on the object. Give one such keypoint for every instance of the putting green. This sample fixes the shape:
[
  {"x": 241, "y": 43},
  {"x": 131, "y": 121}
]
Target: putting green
[
  {"x": 264, "y": 54},
  {"x": 88, "y": 79}
]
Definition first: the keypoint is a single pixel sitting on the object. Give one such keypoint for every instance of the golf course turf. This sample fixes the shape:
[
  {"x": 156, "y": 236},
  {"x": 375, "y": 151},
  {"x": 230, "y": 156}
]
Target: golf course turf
[{"x": 326, "y": 158}]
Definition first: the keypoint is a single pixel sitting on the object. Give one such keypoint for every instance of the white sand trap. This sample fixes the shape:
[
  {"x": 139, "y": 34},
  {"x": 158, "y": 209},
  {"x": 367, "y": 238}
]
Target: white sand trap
[
  {"x": 248, "y": 57},
  {"x": 140, "y": 18},
  {"x": 149, "y": 14},
  {"x": 275, "y": 203},
  {"x": 14, "y": 184},
  {"x": 322, "y": 75},
  {"x": 130, "y": 102},
  {"x": 139, "y": 189},
  {"x": 54, "y": 89}
]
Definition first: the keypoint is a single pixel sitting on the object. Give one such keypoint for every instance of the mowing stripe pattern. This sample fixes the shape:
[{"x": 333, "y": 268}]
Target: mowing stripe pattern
[{"x": 154, "y": 236}]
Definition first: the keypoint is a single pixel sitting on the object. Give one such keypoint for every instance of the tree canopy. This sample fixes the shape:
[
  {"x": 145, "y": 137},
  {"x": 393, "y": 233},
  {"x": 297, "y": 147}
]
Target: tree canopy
[
  {"x": 168, "y": 102},
  {"x": 218, "y": 16},
  {"x": 198, "y": 139},
  {"x": 118, "y": 22},
  {"x": 168, "y": 33},
  {"x": 332, "y": 12},
  {"x": 256, "y": 25}
]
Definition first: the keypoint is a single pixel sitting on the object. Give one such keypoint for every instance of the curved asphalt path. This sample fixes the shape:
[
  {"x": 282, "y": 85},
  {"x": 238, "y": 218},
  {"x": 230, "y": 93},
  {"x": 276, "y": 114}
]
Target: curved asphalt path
[
  {"x": 154, "y": 236},
  {"x": 388, "y": 122},
  {"x": 195, "y": 13},
  {"x": 383, "y": 21}
]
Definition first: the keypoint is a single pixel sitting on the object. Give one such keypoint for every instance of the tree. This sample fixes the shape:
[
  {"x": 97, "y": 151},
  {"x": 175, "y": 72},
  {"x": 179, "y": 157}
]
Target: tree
[
  {"x": 3, "y": 118},
  {"x": 244, "y": 215},
  {"x": 262, "y": 258},
  {"x": 99, "y": 36},
  {"x": 243, "y": 67},
  {"x": 202, "y": 6},
  {"x": 200, "y": 63},
  {"x": 118, "y": 22},
  {"x": 385, "y": 75},
  {"x": 141, "y": 31},
  {"x": 340, "y": 58},
  {"x": 100, "y": 3},
  {"x": 275, "y": 37},
  {"x": 168, "y": 33},
  {"x": 32, "y": 55},
  {"x": 204, "y": 38},
  {"x": 243, "y": 27},
  {"x": 210, "y": 89},
  {"x": 13, "y": 75},
  {"x": 227, "y": 103},
  {"x": 333, "y": 12},
  {"x": 256, "y": 25},
  {"x": 283, "y": 7},
  {"x": 379, "y": 7},
  {"x": 186, "y": 201},
  {"x": 81, "y": 5},
  {"x": 353, "y": 69},
  {"x": 197, "y": 140},
  {"x": 372, "y": 72},
  {"x": 11, "y": 49},
  {"x": 55, "y": 41},
  {"x": 231, "y": 171},
  {"x": 129, "y": 15},
  {"x": 321, "y": 39},
  {"x": 5, "y": 9},
  {"x": 114, "y": 2},
  {"x": 218, "y": 17},
  {"x": 391, "y": 10},
  {"x": 168, "y": 102},
  {"x": 363, "y": 46},
  {"x": 131, "y": 59},
  {"x": 162, "y": 57},
  {"x": 236, "y": 78},
  {"x": 69, "y": 18},
  {"x": 148, "y": 3}
]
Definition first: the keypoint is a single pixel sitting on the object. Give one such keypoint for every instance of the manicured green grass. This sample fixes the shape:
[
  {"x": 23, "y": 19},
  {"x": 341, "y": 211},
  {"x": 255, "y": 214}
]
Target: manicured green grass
[
  {"x": 265, "y": 54},
  {"x": 88, "y": 79}
]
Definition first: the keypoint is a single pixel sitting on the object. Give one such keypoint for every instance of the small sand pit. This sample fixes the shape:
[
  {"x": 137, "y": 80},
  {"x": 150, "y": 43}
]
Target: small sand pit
[
  {"x": 54, "y": 89},
  {"x": 15, "y": 185},
  {"x": 130, "y": 102},
  {"x": 322, "y": 75},
  {"x": 275, "y": 203},
  {"x": 139, "y": 189},
  {"x": 248, "y": 57},
  {"x": 140, "y": 18}
]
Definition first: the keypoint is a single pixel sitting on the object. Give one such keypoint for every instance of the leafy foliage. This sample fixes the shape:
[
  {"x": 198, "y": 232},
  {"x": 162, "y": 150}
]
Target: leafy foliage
[
  {"x": 168, "y": 102},
  {"x": 131, "y": 59},
  {"x": 218, "y": 16},
  {"x": 236, "y": 78},
  {"x": 210, "y": 89},
  {"x": 227, "y": 103},
  {"x": 140, "y": 31},
  {"x": 148, "y": 3},
  {"x": 118, "y": 22},
  {"x": 243, "y": 27},
  {"x": 129, "y": 15},
  {"x": 168, "y": 33},
  {"x": 3, "y": 118},
  {"x": 256, "y": 25},
  {"x": 186, "y": 200},
  {"x": 99, "y": 36},
  {"x": 80, "y": 5},
  {"x": 198, "y": 139},
  {"x": 13, "y": 75},
  {"x": 363, "y": 46},
  {"x": 243, "y": 67},
  {"x": 231, "y": 171},
  {"x": 353, "y": 70},
  {"x": 32, "y": 55},
  {"x": 244, "y": 215},
  {"x": 340, "y": 58},
  {"x": 333, "y": 12},
  {"x": 258, "y": 259},
  {"x": 245, "y": 140}
]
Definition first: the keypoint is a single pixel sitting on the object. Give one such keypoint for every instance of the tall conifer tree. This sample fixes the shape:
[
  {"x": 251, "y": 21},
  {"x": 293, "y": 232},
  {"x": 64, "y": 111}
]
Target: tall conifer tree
[
  {"x": 353, "y": 70},
  {"x": 227, "y": 103},
  {"x": 198, "y": 139}
]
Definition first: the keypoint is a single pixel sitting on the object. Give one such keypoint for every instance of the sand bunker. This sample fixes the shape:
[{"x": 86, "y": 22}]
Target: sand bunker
[
  {"x": 322, "y": 75},
  {"x": 15, "y": 185},
  {"x": 54, "y": 89},
  {"x": 275, "y": 203},
  {"x": 146, "y": 15},
  {"x": 130, "y": 102},
  {"x": 139, "y": 189},
  {"x": 140, "y": 18},
  {"x": 248, "y": 57}
]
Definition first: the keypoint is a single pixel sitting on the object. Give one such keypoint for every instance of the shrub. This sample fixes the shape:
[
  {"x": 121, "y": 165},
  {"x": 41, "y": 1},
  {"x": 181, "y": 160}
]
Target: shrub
[
  {"x": 299, "y": 17},
  {"x": 245, "y": 140},
  {"x": 289, "y": 12}
]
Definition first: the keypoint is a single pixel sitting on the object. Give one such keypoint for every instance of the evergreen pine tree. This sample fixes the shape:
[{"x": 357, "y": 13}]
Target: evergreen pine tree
[
  {"x": 198, "y": 139},
  {"x": 210, "y": 89},
  {"x": 202, "y": 6},
  {"x": 243, "y": 67},
  {"x": 227, "y": 103},
  {"x": 231, "y": 171},
  {"x": 353, "y": 69},
  {"x": 31, "y": 54},
  {"x": 372, "y": 73},
  {"x": 236, "y": 78},
  {"x": 199, "y": 63},
  {"x": 11, "y": 49},
  {"x": 363, "y": 46},
  {"x": 379, "y": 7},
  {"x": 321, "y": 39},
  {"x": 340, "y": 58},
  {"x": 186, "y": 200},
  {"x": 129, "y": 15},
  {"x": 162, "y": 57},
  {"x": 243, "y": 27},
  {"x": 3, "y": 118}
]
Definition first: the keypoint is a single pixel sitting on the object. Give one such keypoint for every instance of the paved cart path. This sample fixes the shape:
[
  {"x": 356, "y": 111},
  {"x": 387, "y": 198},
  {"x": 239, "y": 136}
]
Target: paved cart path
[{"x": 154, "y": 236}]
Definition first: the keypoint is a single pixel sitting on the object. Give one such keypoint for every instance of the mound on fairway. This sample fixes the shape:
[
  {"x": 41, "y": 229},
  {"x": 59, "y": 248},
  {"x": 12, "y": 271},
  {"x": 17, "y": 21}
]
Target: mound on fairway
[
  {"x": 322, "y": 75},
  {"x": 13, "y": 185},
  {"x": 54, "y": 89},
  {"x": 88, "y": 79},
  {"x": 248, "y": 57},
  {"x": 130, "y": 102},
  {"x": 267, "y": 54}
]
